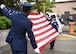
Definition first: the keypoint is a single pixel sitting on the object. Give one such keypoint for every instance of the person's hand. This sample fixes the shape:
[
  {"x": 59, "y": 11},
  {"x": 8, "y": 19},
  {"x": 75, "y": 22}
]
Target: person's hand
[
  {"x": 2, "y": 6},
  {"x": 37, "y": 50}
]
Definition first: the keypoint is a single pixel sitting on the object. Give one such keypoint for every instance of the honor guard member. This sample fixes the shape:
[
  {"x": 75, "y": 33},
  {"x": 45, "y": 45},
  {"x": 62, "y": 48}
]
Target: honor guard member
[
  {"x": 62, "y": 22},
  {"x": 20, "y": 25},
  {"x": 54, "y": 25},
  {"x": 61, "y": 19}
]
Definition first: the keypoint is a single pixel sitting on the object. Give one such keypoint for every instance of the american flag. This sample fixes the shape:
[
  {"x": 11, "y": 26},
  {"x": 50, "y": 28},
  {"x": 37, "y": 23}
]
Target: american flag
[{"x": 44, "y": 33}]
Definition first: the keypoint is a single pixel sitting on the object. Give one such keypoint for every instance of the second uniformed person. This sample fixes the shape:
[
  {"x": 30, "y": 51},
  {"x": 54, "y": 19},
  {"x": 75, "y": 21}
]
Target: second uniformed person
[
  {"x": 54, "y": 25},
  {"x": 20, "y": 25}
]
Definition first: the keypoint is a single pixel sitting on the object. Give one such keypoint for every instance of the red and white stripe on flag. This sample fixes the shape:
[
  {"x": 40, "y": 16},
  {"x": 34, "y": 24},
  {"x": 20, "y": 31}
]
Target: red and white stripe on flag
[{"x": 44, "y": 33}]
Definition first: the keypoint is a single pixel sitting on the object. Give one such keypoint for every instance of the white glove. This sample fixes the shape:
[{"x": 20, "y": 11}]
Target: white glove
[
  {"x": 37, "y": 50},
  {"x": 2, "y": 6}
]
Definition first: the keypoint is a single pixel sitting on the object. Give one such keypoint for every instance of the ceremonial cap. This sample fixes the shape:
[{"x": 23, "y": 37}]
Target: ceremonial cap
[
  {"x": 53, "y": 16},
  {"x": 26, "y": 4}
]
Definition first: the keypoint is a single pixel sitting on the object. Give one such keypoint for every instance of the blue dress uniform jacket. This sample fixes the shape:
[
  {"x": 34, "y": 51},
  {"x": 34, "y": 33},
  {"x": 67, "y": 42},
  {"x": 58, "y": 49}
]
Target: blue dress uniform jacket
[
  {"x": 20, "y": 25},
  {"x": 55, "y": 25}
]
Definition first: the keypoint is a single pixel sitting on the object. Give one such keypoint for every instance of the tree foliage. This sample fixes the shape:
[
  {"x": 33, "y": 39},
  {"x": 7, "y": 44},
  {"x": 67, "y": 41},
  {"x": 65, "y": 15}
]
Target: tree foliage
[
  {"x": 43, "y": 5},
  {"x": 12, "y": 3},
  {"x": 74, "y": 8}
]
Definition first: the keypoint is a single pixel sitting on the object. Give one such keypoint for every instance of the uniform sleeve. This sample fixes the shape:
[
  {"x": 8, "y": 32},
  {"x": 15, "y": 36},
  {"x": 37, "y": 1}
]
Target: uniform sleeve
[
  {"x": 9, "y": 12},
  {"x": 31, "y": 36}
]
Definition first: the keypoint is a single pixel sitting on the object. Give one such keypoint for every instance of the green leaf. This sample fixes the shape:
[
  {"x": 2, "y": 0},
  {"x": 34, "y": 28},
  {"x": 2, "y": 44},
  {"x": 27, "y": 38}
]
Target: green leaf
[{"x": 74, "y": 8}]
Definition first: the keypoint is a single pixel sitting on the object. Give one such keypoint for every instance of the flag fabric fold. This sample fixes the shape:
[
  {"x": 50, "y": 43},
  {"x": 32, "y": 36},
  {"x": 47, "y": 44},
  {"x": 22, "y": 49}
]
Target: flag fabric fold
[{"x": 43, "y": 31}]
